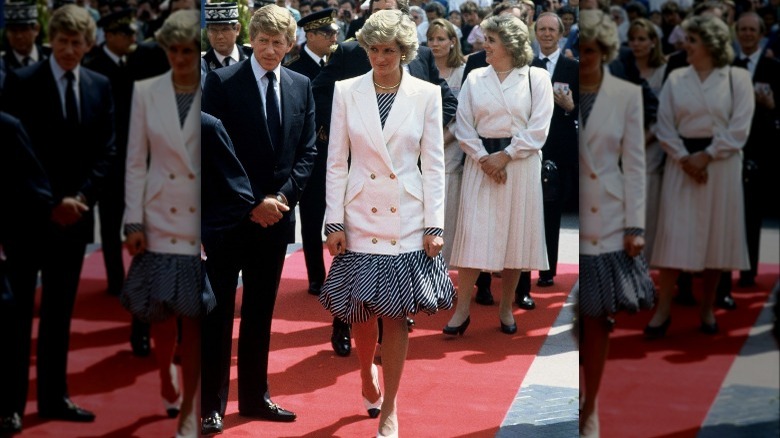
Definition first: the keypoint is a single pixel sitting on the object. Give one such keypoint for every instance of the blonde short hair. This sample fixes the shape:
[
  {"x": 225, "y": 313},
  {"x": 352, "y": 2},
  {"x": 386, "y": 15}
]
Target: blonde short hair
[
  {"x": 73, "y": 19},
  {"x": 597, "y": 26},
  {"x": 183, "y": 26},
  {"x": 390, "y": 26},
  {"x": 513, "y": 34},
  {"x": 714, "y": 36},
  {"x": 273, "y": 20}
]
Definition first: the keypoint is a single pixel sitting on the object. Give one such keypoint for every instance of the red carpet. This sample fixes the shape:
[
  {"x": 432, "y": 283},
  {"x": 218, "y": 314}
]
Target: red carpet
[
  {"x": 452, "y": 387},
  {"x": 664, "y": 388}
]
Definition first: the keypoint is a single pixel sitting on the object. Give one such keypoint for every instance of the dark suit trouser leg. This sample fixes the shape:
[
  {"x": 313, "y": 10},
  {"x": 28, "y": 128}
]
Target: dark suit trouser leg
[
  {"x": 483, "y": 280},
  {"x": 262, "y": 272},
  {"x": 753, "y": 217},
  {"x": 222, "y": 266},
  {"x": 312, "y": 212},
  {"x": 552, "y": 230},
  {"x": 60, "y": 273},
  {"x": 23, "y": 265},
  {"x": 111, "y": 207}
]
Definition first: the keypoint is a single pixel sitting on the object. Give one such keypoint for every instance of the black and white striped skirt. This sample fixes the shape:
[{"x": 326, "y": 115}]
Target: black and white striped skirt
[
  {"x": 614, "y": 282},
  {"x": 361, "y": 285},
  {"x": 160, "y": 286}
]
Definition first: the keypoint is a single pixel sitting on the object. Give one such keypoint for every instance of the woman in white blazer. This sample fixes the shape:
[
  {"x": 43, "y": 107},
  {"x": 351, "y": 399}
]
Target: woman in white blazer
[
  {"x": 503, "y": 118},
  {"x": 385, "y": 215},
  {"x": 704, "y": 116},
  {"x": 162, "y": 214},
  {"x": 614, "y": 275}
]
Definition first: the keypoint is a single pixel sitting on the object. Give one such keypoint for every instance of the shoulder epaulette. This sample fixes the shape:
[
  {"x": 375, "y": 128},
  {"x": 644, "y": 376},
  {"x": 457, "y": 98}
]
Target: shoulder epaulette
[{"x": 293, "y": 59}]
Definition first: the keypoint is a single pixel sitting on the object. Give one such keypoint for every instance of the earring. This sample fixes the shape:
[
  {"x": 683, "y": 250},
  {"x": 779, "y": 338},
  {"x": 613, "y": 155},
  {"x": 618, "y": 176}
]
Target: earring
[
  {"x": 452, "y": 46},
  {"x": 403, "y": 57}
]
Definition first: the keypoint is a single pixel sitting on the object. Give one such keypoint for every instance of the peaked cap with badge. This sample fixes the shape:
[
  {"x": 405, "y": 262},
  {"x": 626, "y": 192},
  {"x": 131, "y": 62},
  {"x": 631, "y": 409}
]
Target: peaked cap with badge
[
  {"x": 320, "y": 20},
  {"x": 20, "y": 12},
  {"x": 119, "y": 21},
  {"x": 221, "y": 13}
]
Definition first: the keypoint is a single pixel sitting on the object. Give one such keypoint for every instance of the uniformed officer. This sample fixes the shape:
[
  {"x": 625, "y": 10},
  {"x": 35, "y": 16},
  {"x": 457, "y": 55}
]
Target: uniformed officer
[
  {"x": 321, "y": 31},
  {"x": 222, "y": 29},
  {"x": 22, "y": 28}
]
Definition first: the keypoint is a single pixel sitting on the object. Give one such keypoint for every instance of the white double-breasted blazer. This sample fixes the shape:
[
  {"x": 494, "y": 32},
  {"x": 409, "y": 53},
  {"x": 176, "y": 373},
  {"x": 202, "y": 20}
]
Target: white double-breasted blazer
[
  {"x": 612, "y": 199},
  {"x": 382, "y": 198},
  {"x": 162, "y": 182}
]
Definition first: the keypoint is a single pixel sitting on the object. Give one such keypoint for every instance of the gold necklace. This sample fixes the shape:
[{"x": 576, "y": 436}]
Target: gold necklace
[
  {"x": 504, "y": 72},
  {"x": 387, "y": 88},
  {"x": 185, "y": 87}
]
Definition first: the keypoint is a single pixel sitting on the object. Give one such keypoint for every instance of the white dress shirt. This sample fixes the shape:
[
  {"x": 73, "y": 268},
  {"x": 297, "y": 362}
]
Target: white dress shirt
[{"x": 262, "y": 82}]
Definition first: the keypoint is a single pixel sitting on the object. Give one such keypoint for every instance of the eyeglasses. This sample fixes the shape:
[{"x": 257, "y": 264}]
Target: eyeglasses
[
  {"x": 222, "y": 29},
  {"x": 326, "y": 33}
]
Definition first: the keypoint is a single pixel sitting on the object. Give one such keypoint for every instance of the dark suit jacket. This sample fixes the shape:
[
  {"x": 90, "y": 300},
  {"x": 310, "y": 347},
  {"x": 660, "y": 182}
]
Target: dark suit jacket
[
  {"x": 562, "y": 140},
  {"x": 765, "y": 127},
  {"x": 75, "y": 162},
  {"x": 11, "y": 63},
  {"x": 23, "y": 182},
  {"x": 226, "y": 194},
  {"x": 350, "y": 60},
  {"x": 148, "y": 60},
  {"x": 231, "y": 94},
  {"x": 212, "y": 63},
  {"x": 475, "y": 60},
  {"x": 676, "y": 60},
  {"x": 304, "y": 64}
]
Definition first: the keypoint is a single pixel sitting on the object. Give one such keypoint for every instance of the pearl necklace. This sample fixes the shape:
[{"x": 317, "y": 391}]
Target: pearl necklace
[{"x": 505, "y": 72}]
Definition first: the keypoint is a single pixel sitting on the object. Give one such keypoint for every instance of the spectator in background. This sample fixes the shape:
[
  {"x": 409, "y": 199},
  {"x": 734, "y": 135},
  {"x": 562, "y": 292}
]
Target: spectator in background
[
  {"x": 420, "y": 19},
  {"x": 468, "y": 12},
  {"x": 21, "y": 31}
]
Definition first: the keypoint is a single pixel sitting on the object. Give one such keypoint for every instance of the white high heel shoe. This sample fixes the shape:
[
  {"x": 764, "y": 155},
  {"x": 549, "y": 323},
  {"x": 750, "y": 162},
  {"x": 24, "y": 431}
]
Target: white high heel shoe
[
  {"x": 375, "y": 408},
  {"x": 392, "y": 435}
]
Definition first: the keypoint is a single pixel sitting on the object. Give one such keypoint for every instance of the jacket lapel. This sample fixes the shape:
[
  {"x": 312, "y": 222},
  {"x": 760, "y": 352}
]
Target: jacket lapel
[
  {"x": 403, "y": 99},
  {"x": 365, "y": 98},
  {"x": 289, "y": 94},
  {"x": 165, "y": 107}
]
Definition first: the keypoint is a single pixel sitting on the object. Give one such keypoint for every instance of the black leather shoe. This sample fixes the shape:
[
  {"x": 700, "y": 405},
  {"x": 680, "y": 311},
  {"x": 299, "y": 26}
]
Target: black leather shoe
[
  {"x": 509, "y": 329},
  {"x": 458, "y": 330},
  {"x": 484, "y": 297},
  {"x": 211, "y": 425},
  {"x": 657, "y": 332},
  {"x": 525, "y": 302},
  {"x": 544, "y": 282},
  {"x": 410, "y": 324},
  {"x": 270, "y": 411},
  {"x": 710, "y": 329},
  {"x": 746, "y": 282},
  {"x": 10, "y": 425},
  {"x": 685, "y": 299},
  {"x": 66, "y": 410},
  {"x": 726, "y": 302},
  {"x": 315, "y": 288},
  {"x": 340, "y": 340}
]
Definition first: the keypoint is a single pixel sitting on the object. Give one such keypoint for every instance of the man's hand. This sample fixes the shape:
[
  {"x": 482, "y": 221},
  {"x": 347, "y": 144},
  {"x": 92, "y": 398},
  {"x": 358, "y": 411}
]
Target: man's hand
[
  {"x": 766, "y": 99},
  {"x": 337, "y": 243},
  {"x": 68, "y": 212},
  {"x": 432, "y": 245},
  {"x": 135, "y": 243},
  {"x": 268, "y": 212},
  {"x": 564, "y": 100}
]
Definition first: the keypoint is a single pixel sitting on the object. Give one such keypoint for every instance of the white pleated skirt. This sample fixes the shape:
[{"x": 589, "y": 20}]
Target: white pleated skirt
[
  {"x": 501, "y": 226},
  {"x": 702, "y": 226}
]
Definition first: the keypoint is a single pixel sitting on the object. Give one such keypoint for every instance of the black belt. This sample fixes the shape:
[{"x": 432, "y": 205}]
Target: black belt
[
  {"x": 694, "y": 145},
  {"x": 493, "y": 145}
]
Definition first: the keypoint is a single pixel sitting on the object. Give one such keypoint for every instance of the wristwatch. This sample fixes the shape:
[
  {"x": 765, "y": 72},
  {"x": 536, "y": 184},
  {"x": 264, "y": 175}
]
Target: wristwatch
[{"x": 280, "y": 197}]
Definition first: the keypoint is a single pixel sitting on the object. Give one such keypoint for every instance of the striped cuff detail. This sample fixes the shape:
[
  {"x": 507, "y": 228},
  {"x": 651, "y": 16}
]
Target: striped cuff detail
[
  {"x": 634, "y": 232},
  {"x": 132, "y": 228},
  {"x": 434, "y": 231},
  {"x": 332, "y": 228}
]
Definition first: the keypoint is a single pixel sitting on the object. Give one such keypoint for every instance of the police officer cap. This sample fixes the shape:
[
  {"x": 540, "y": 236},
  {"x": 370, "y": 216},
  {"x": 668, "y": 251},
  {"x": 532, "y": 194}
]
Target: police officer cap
[
  {"x": 119, "y": 21},
  {"x": 221, "y": 13},
  {"x": 20, "y": 13},
  {"x": 321, "y": 20}
]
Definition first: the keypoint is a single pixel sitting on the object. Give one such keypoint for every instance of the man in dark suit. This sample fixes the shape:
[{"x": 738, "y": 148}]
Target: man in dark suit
[
  {"x": 23, "y": 184},
  {"x": 321, "y": 30},
  {"x": 349, "y": 60},
  {"x": 561, "y": 145},
  {"x": 758, "y": 154},
  {"x": 22, "y": 28},
  {"x": 278, "y": 156},
  {"x": 111, "y": 60},
  {"x": 222, "y": 29},
  {"x": 69, "y": 113}
]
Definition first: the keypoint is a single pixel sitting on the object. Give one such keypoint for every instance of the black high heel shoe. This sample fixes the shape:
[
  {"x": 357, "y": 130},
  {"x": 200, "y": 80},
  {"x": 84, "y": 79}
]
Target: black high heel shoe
[
  {"x": 658, "y": 331},
  {"x": 458, "y": 330},
  {"x": 709, "y": 329},
  {"x": 509, "y": 329}
]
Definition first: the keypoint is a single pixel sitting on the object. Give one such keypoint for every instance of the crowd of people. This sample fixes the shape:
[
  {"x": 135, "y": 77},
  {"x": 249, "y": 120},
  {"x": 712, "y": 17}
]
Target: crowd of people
[{"x": 415, "y": 138}]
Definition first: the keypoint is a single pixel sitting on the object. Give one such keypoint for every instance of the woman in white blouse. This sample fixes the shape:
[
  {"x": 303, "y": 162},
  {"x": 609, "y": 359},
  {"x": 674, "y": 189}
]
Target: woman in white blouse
[
  {"x": 704, "y": 119},
  {"x": 503, "y": 117}
]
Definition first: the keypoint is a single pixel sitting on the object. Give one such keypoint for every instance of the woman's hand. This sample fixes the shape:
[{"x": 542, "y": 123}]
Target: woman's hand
[
  {"x": 633, "y": 245},
  {"x": 494, "y": 165},
  {"x": 337, "y": 243},
  {"x": 432, "y": 245},
  {"x": 135, "y": 243},
  {"x": 695, "y": 165}
]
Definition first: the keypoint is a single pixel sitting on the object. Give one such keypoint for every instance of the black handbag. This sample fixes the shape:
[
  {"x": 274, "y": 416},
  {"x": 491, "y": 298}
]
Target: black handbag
[{"x": 551, "y": 181}]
